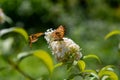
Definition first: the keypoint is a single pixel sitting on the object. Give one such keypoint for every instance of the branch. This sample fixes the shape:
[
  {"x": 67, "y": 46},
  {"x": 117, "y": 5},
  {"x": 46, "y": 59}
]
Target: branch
[{"x": 16, "y": 67}]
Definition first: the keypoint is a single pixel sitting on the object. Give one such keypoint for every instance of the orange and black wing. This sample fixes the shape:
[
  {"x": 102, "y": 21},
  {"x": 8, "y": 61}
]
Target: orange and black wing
[
  {"x": 58, "y": 34},
  {"x": 34, "y": 37}
]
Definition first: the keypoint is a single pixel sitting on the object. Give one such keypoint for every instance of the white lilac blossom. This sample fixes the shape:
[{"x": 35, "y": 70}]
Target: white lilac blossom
[{"x": 64, "y": 50}]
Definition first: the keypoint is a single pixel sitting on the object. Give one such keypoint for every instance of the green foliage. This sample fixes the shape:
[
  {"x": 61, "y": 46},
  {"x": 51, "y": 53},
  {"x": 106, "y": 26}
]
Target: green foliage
[
  {"x": 93, "y": 73},
  {"x": 19, "y": 30},
  {"x": 6, "y": 47},
  {"x": 85, "y": 21},
  {"x": 108, "y": 73},
  {"x": 81, "y": 65},
  {"x": 115, "y": 32},
  {"x": 105, "y": 73},
  {"x": 45, "y": 57},
  {"x": 58, "y": 65},
  {"x": 92, "y": 56}
]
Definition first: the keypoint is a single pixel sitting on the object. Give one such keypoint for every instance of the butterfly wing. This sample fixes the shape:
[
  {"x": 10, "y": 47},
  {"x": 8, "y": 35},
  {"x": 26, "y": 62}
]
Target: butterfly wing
[
  {"x": 58, "y": 34},
  {"x": 34, "y": 37}
]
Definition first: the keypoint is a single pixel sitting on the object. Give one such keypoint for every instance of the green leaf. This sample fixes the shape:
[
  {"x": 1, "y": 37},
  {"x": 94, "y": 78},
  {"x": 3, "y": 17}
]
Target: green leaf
[
  {"x": 15, "y": 29},
  {"x": 107, "y": 72},
  {"x": 81, "y": 65},
  {"x": 45, "y": 57},
  {"x": 110, "y": 74},
  {"x": 22, "y": 55},
  {"x": 92, "y": 78},
  {"x": 105, "y": 78},
  {"x": 109, "y": 67},
  {"x": 92, "y": 56},
  {"x": 22, "y": 32},
  {"x": 92, "y": 72},
  {"x": 115, "y": 32},
  {"x": 58, "y": 65}
]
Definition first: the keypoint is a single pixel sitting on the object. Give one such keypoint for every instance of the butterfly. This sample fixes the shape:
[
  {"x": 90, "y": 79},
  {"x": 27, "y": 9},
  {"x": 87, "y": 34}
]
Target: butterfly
[
  {"x": 34, "y": 37},
  {"x": 58, "y": 34}
]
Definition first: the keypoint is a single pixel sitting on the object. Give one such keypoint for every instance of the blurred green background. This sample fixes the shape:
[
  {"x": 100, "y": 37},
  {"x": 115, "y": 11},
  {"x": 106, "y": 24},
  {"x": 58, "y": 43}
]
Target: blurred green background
[{"x": 86, "y": 22}]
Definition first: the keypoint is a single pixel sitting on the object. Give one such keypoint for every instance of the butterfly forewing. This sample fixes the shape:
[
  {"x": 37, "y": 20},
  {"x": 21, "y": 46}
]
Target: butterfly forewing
[
  {"x": 34, "y": 37},
  {"x": 58, "y": 34}
]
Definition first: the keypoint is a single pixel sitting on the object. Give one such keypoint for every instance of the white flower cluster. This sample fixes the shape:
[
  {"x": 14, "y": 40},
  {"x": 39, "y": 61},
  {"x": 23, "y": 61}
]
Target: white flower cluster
[
  {"x": 64, "y": 50},
  {"x": 48, "y": 35}
]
